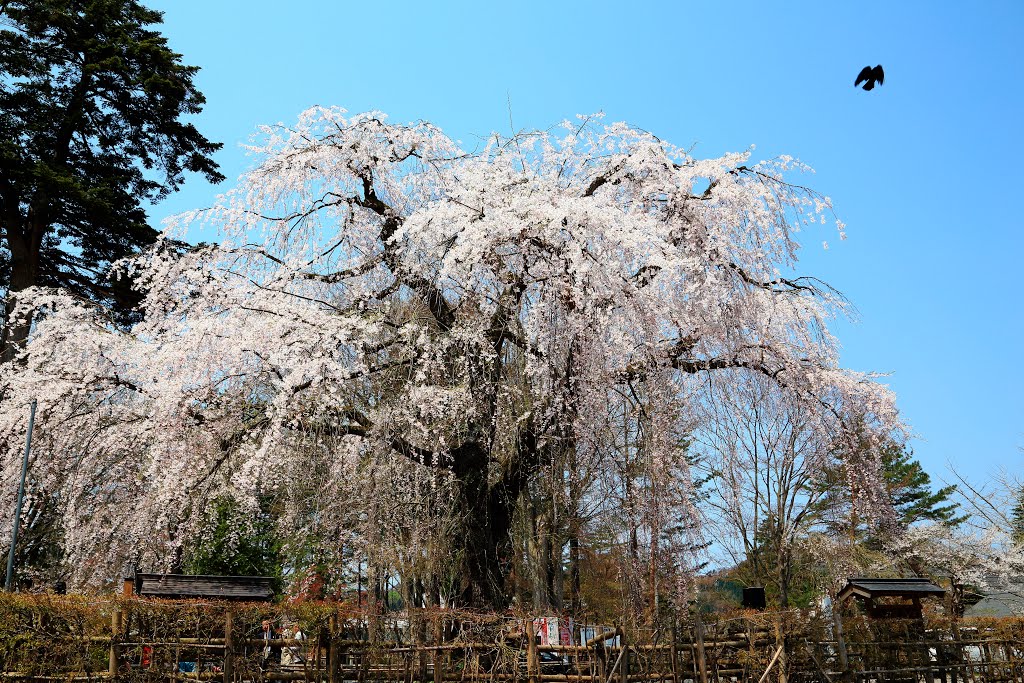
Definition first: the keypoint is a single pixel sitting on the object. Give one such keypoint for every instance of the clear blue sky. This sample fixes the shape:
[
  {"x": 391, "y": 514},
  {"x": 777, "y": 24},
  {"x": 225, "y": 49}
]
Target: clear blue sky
[{"x": 926, "y": 170}]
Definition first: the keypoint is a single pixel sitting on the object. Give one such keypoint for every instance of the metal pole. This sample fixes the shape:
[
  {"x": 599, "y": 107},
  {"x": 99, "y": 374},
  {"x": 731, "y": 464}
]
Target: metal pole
[{"x": 21, "y": 498}]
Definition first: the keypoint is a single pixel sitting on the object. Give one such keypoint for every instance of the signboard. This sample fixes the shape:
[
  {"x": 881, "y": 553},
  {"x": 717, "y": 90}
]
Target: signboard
[{"x": 553, "y": 630}]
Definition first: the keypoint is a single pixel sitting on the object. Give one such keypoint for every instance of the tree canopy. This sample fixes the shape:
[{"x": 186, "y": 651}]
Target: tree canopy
[
  {"x": 910, "y": 489},
  {"x": 93, "y": 123},
  {"x": 791, "y": 517},
  {"x": 398, "y": 337}
]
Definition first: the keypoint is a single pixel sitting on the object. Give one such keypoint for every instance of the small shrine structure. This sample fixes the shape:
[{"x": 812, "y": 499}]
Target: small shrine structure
[{"x": 890, "y": 598}]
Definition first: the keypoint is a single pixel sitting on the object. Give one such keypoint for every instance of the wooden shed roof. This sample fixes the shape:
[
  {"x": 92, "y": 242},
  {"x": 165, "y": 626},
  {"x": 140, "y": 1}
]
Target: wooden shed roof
[
  {"x": 908, "y": 587},
  {"x": 176, "y": 586}
]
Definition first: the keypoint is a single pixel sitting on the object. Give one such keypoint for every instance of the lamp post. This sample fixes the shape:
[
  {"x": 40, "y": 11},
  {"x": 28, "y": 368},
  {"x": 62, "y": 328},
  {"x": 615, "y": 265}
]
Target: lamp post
[{"x": 21, "y": 498}]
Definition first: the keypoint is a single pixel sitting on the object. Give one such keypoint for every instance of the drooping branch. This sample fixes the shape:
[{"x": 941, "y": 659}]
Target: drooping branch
[
  {"x": 356, "y": 374},
  {"x": 430, "y": 294},
  {"x": 331, "y": 278},
  {"x": 782, "y": 285}
]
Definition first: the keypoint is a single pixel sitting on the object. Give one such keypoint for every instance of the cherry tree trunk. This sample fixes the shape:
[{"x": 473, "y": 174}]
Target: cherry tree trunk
[{"x": 486, "y": 543}]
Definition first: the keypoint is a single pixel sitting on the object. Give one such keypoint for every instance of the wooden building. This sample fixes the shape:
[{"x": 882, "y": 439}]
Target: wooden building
[{"x": 185, "y": 587}]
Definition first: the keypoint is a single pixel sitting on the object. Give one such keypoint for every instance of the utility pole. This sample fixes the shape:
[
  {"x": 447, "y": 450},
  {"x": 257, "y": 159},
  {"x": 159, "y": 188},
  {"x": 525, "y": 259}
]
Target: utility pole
[{"x": 21, "y": 498}]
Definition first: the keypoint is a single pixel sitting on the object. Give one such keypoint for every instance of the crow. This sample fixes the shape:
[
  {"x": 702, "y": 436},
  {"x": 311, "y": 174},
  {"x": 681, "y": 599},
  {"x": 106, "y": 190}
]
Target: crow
[{"x": 869, "y": 76}]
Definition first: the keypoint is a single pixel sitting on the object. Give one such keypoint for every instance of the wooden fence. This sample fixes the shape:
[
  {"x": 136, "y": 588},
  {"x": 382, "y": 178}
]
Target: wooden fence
[{"x": 134, "y": 640}]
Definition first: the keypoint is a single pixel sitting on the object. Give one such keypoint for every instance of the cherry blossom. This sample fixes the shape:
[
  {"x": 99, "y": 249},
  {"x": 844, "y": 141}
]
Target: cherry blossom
[{"x": 414, "y": 330}]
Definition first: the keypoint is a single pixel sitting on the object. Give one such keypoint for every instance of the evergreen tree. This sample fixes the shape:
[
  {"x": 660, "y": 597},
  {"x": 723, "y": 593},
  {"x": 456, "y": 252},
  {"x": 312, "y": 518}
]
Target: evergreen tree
[
  {"x": 910, "y": 489},
  {"x": 1017, "y": 518},
  {"x": 91, "y": 107}
]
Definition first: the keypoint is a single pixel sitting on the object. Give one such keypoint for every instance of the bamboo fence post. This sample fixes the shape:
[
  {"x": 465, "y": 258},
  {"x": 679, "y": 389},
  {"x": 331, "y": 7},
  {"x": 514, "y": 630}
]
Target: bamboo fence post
[
  {"x": 1011, "y": 658},
  {"x": 714, "y": 660},
  {"x": 941, "y": 659},
  {"x": 844, "y": 659},
  {"x": 333, "y": 656},
  {"x": 410, "y": 658},
  {"x": 990, "y": 664},
  {"x": 698, "y": 631},
  {"x": 624, "y": 660},
  {"x": 674, "y": 661},
  {"x": 1014, "y": 662},
  {"x": 364, "y": 662},
  {"x": 972, "y": 674},
  {"x": 749, "y": 626},
  {"x": 438, "y": 673},
  {"x": 958, "y": 650},
  {"x": 931, "y": 668},
  {"x": 781, "y": 654},
  {"x": 991, "y": 668},
  {"x": 315, "y": 650},
  {"x": 421, "y": 636},
  {"x": 229, "y": 654},
  {"x": 532, "y": 658},
  {"x": 115, "y": 654}
]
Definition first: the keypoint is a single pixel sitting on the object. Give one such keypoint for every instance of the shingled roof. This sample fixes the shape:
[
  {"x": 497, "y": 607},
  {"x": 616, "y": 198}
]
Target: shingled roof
[
  {"x": 909, "y": 587},
  {"x": 178, "y": 586}
]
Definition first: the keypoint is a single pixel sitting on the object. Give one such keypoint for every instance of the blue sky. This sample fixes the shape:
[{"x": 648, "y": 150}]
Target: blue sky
[{"x": 925, "y": 170}]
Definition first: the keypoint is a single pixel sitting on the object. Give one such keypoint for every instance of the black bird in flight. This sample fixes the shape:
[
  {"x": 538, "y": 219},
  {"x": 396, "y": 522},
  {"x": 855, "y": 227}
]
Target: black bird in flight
[{"x": 870, "y": 76}]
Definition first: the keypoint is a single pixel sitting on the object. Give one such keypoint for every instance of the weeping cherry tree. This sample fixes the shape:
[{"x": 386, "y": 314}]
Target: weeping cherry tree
[{"x": 415, "y": 330}]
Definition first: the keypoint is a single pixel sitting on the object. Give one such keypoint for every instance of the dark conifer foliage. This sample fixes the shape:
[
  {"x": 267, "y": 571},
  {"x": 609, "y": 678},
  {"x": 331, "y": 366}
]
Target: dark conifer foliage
[
  {"x": 910, "y": 489},
  {"x": 910, "y": 492},
  {"x": 1017, "y": 518},
  {"x": 93, "y": 105}
]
